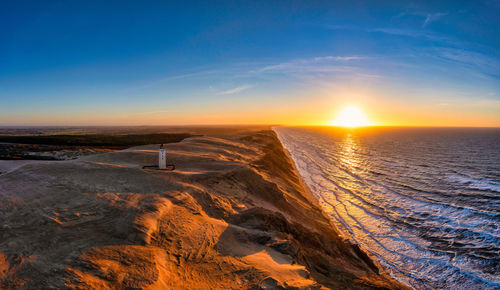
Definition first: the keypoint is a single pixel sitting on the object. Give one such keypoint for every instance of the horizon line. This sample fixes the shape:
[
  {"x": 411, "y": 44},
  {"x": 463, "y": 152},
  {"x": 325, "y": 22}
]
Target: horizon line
[{"x": 247, "y": 125}]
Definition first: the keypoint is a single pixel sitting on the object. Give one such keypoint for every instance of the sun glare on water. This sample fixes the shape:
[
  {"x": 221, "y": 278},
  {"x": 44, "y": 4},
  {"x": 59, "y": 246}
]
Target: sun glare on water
[{"x": 351, "y": 116}]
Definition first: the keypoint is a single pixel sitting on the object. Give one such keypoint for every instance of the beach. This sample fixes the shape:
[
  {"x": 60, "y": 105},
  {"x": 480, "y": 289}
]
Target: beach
[{"x": 234, "y": 214}]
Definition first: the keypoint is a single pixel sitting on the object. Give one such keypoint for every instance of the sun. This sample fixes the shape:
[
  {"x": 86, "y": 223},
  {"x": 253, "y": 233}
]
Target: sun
[{"x": 351, "y": 116}]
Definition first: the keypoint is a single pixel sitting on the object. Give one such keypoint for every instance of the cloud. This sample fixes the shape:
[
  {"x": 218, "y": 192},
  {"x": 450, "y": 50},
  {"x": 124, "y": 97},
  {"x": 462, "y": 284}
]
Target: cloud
[
  {"x": 486, "y": 65},
  {"x": 431, "y": 17},
  {"x": 319, "y": 63},
  {"x": 409, "y": 32},
  {"x": 235, "y": 90},
  {"x": 420, "y": 33},
  {"x": 322, "y": 70},
  {"x": 336, "y": 58},
  {"x": 402, "y": 32}
]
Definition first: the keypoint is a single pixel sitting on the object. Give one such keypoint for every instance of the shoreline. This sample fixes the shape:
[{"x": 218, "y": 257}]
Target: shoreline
[
  {"x": 349, "y": 239},
  {"x": 236, "y": 214}
]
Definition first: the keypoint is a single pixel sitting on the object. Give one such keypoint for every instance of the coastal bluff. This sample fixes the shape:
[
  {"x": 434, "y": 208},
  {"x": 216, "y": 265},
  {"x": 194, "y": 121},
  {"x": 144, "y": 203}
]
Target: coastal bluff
[{"x": 234, "y": 214}]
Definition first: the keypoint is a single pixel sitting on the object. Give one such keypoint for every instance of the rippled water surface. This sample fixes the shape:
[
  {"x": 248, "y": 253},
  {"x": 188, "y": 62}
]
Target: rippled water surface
[{"x": 425, "y": 201}]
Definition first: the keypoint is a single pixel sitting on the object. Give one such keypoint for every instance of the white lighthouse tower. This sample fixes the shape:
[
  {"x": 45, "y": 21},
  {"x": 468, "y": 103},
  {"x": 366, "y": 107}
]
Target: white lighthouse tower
[{"x": 162, "y": 158}]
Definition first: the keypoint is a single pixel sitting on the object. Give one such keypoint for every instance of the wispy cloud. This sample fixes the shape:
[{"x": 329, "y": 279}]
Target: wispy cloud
[
  {"x": 322, "y": 70},
  {"x": 428, "y": 17},
  {"x": 337, "y": 58},
  {"x": 486, "y": 65},
  {"x": 431, "y": 17},
  {"x": 235, "y": 90},
  {"x": 418, "y": 33},
  {"x": 400, "y": 31},
  {"x": 319, "y": 63}
]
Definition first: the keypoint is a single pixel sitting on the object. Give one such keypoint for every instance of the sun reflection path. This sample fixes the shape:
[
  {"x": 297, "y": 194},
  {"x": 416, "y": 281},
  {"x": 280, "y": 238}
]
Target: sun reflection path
[{"x": 348, "y": 154}]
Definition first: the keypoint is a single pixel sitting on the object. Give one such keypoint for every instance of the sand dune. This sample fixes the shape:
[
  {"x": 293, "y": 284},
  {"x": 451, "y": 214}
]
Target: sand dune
[{"x": 233, "y": 215}]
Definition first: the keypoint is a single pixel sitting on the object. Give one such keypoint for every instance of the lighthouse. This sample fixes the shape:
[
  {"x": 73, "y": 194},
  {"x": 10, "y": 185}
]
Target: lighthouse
[{"x": 162, "y": 158}]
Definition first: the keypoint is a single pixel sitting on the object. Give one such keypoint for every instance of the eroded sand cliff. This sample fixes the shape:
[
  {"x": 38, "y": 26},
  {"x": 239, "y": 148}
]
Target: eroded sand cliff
[{"x": 234, "y": 214}]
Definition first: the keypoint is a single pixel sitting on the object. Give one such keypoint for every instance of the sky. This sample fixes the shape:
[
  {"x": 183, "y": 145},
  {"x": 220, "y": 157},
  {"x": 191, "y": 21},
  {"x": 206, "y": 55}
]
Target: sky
[{"x": 403, "y": 63}]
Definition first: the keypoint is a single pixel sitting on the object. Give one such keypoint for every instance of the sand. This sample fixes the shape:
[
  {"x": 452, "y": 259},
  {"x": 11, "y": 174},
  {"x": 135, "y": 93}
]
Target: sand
[{"x": 233, "y": 215}]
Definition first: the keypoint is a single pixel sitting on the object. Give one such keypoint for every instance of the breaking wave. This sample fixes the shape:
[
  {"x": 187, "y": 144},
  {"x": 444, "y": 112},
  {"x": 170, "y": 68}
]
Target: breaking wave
[{"x": 476, "y": 182}]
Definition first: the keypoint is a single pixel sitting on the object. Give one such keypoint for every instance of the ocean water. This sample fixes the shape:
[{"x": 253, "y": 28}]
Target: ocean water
[{"x": 425, "y": 201}]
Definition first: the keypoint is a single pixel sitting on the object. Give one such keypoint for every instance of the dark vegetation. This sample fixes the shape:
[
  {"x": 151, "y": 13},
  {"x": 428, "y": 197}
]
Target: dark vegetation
[
  {"x": 97, "y": 140},
  {"x": 30, "y": 147}
]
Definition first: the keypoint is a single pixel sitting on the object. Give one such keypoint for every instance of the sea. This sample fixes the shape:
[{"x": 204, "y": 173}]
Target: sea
[{"x": 424, "y": 201}]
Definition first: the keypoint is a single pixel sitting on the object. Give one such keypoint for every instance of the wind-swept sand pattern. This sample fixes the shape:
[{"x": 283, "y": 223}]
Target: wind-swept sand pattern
[{"x": 234, "y": 214}]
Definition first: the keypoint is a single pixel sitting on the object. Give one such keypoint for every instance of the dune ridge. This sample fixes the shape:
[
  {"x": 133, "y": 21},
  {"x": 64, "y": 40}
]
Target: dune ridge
[{"x": 234, "y": 215}]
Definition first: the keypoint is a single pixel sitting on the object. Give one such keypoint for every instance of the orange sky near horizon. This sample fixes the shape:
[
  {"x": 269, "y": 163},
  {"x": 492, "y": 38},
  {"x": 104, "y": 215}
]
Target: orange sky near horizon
[
  {"x": 305, "y": 108},
  {"x": 307, "y": 115}
]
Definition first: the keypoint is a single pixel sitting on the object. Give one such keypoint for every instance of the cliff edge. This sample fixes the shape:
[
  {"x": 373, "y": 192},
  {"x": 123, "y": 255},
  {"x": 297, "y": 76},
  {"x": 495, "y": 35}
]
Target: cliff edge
[{"x": 233, "y": 215}]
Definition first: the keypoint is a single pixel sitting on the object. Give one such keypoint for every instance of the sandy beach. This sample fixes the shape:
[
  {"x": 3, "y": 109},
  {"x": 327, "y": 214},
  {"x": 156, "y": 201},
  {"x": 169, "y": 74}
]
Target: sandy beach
[{"x": 233, "y": 215}]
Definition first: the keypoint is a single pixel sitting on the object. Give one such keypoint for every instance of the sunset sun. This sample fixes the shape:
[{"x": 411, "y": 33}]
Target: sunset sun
[{"x": 351, "y": 116}]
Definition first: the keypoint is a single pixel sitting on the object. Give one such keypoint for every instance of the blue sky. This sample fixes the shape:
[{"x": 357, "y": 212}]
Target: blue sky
[{"x": 291, "y": 62}]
